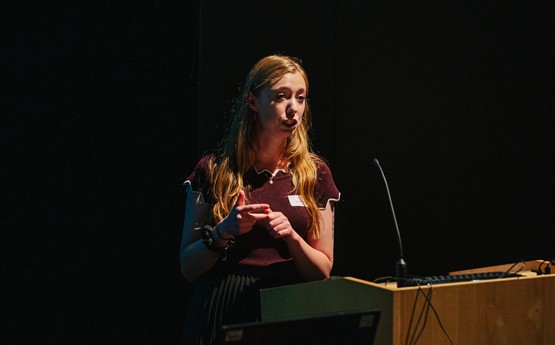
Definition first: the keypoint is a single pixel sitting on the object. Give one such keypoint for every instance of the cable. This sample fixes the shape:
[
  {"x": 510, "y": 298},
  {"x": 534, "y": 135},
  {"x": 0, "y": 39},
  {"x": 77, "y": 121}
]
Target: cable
[
  {"x": 424, "y": 312},
  {"x": 547, "y": 269},
  {"x": 439, "y": 322},
  {"x": 521, "y": 261},
  {"x": 386, "y": 279},
  {"x": 411, "y": 318},
  {"x": 428, "y": 305}
]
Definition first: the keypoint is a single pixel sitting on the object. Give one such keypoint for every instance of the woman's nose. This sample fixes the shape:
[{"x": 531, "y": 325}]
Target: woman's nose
[{"x": 291, "y": 110}]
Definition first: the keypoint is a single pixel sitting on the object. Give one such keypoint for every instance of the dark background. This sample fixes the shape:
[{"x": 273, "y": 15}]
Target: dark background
[{"x": 108, "y": 105}]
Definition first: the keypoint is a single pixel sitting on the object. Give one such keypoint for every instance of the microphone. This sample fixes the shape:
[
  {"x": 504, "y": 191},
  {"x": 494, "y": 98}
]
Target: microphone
[{"x": 400, "y": 265}]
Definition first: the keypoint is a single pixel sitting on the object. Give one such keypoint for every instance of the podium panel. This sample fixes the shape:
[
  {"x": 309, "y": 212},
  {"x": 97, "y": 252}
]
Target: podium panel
[
  {"x": 511, "y": 311},
  {"x": 353, "y": 328}
]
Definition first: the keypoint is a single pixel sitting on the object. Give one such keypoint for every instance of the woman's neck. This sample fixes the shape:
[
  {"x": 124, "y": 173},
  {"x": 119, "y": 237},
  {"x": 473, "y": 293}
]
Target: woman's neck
[
  {"x": 270, "y": 163},
  {"x": 270, "y": 156}
]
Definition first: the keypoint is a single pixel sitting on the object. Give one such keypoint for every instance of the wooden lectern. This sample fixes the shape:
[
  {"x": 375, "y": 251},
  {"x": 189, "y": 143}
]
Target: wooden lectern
[{"x": 511, "y": 311}]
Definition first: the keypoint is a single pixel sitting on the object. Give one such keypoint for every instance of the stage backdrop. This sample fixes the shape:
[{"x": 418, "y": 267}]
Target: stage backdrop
[
  {"x": 452, "y": 99},
  {"x": 109, "y": 105}
]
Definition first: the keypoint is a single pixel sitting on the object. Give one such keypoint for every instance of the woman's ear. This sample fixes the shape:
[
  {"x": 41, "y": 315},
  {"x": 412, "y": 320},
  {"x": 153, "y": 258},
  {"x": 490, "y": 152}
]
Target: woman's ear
[{"x": 251, "y": 103}]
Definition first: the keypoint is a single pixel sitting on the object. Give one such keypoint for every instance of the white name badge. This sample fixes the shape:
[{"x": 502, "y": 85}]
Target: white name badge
[{"x": 295, "y": 200}]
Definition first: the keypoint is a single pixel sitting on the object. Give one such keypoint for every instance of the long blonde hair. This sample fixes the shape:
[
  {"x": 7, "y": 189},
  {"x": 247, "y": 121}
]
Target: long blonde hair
[{"x": 236, "y": 154}]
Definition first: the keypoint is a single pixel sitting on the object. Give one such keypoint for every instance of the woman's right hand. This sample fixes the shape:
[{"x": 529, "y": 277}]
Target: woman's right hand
[{"x": 243, "y": 217}]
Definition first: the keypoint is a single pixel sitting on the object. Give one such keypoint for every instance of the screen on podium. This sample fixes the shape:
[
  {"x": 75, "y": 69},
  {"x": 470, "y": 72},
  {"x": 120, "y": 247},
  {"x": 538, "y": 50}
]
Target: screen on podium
[{"x": 353, "y": 328}]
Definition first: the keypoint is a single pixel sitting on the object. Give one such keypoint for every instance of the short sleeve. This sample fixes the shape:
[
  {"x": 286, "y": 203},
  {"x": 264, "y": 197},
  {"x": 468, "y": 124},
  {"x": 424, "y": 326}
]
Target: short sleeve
[
  {"x": 198, "y": 180},
  {"x": 325, "y": 189}
]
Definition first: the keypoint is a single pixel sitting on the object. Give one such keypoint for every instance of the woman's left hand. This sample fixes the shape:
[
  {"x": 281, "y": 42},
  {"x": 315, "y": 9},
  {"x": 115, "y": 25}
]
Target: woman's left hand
[{"x": 278, "y": 225}]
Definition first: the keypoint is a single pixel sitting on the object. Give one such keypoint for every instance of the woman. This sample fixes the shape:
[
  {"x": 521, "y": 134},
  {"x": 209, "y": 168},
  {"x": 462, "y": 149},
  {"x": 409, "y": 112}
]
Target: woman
[{"x": 259, "y": 212}]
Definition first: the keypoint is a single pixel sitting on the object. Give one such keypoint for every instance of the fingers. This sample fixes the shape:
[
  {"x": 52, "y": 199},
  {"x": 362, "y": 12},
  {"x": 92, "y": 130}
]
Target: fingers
[
  {"x": 254, "y": 209},
  {"x": 241, "y": 198},
  {"x": 258, "y": 216},
  {"x": 242, "y": 208},
  {"x": 278, "y": 225},
  {"x": 250, "y": 219},
  {"x": 248, "y": 214}
]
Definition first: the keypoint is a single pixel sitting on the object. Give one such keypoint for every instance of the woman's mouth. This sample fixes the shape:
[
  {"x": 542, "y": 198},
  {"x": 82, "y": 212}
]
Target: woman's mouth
[{"x": 290, "y": 123}]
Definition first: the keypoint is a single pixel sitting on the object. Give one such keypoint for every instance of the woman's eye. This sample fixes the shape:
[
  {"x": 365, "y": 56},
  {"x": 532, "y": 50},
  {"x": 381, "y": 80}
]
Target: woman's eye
[{"x": 301, "y": 98}]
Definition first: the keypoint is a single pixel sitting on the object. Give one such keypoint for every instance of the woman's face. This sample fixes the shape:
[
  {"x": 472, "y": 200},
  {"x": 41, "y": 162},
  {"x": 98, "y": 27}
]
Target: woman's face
[{"x": 280, "y": 106}]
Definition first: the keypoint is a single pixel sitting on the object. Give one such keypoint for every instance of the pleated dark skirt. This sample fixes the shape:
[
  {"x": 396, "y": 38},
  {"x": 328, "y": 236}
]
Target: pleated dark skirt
[{"x": 230, "y": 294}]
